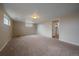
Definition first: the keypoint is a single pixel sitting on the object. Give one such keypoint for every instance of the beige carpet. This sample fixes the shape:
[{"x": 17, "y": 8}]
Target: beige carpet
[{"x": 36, "y": 45}]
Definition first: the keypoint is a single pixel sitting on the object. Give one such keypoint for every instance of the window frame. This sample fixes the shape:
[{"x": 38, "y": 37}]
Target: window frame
[{"x": 6, "y": 20}]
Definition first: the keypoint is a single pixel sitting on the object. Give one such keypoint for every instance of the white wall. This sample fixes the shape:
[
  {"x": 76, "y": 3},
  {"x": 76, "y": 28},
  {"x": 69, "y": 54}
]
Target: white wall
[
  {"x": 5, "y": 31},
  {"x": 45, "y": 29},
  {"x": 69, "y": 30}
]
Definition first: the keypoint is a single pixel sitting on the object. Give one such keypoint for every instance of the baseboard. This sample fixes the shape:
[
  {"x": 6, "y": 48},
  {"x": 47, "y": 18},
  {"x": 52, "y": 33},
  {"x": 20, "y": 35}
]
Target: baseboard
[
  {"x": 22, "y": 35},
  {"x": 72, "y": 43},
  {"x": 4, "y": 45},
  {"x": 45, "y": 36}
]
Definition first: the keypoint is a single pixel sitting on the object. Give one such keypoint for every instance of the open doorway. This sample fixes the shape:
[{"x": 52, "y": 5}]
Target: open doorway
[{"x": 55, "y": 29}]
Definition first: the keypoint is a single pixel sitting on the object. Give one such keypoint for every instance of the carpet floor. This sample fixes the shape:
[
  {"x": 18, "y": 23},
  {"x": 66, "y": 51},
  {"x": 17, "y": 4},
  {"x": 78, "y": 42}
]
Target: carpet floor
[{"x": 36, "y": 45}]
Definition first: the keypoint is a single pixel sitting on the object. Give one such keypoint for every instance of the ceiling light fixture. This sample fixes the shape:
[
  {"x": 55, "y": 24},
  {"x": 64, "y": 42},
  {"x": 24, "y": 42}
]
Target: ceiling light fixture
[{"x": 35, "y": 16}]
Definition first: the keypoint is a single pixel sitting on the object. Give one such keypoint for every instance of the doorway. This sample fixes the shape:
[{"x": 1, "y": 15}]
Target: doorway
[{"x": 55, "y": 29}]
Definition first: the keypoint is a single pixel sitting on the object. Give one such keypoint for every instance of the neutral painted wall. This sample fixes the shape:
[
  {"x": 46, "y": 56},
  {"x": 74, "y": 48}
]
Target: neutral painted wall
[
  {"x": 45, "y": 29},
  {"x": 69, "y": 30},
  {"x": 20, "y": 29},
  {"x": 5, "y": 31}
]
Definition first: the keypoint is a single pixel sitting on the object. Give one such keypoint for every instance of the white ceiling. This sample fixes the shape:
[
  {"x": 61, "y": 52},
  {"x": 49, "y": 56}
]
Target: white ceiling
[{"x": 45, "y": 11}]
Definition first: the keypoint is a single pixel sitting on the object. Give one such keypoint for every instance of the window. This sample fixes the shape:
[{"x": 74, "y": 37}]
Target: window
[
  {"x": 6, "y": 20},
  {"x": 29, "y": 25}
]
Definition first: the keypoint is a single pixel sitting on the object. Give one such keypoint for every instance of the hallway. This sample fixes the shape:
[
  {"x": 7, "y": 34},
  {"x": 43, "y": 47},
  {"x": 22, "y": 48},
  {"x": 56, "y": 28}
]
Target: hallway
[{"x": 36, "y": 45}]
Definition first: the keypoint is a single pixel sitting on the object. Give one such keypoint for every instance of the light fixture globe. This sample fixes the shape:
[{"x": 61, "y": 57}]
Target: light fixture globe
[{"x": 35, "y": 16}]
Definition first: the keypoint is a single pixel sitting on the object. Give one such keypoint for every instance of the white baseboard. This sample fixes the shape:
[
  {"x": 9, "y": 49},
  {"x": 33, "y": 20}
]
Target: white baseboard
[
  {"x": 4, "y": 45},
  {"x": 73, "y": 43}
]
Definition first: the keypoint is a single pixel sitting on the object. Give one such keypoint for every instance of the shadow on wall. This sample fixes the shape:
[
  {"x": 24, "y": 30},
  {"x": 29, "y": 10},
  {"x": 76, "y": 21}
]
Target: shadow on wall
[{"x": 21, "y": 28}]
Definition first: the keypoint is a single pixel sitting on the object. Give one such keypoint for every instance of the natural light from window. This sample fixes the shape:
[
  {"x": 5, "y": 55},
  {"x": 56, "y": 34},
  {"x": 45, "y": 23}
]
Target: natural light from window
[{"x": 6, "y": 20}]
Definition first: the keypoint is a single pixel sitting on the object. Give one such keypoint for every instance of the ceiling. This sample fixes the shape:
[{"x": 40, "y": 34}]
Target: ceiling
[{"x": 45, "y": 11}]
